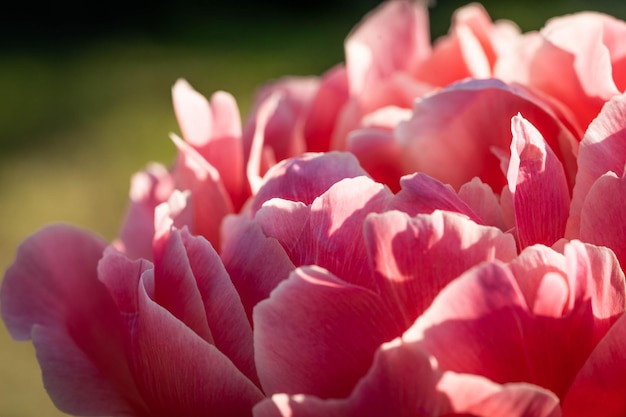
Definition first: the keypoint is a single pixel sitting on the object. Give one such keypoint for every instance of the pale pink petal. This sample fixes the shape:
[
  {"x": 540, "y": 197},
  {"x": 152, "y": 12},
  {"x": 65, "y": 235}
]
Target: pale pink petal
[
  {"x": 603, "y": 215},
  {"x": 414, "y": 258},
  {"x": 306, "y": 177},
  {"x": 603, "y": 149},
  {"x": 537, "y": 185},
  {"x": 193, "y": 112},
  {"x": 317, "y": 334},
  {"x": 300, "y": 405},
  {"x": 394, "y": 37},
  {"x": 148, "y": 189},
  {"x": 214, "y": 130},
  {"x": 422, "y": 194},
  {"x": 483, "y": 201},
  {"x": 452, "y": 134},
  {"x": 256, "y": 263},
  {"x": 599, "y": 386},
  {"x": 542, "y": 278},
  {"x": 52, "y": 294}
]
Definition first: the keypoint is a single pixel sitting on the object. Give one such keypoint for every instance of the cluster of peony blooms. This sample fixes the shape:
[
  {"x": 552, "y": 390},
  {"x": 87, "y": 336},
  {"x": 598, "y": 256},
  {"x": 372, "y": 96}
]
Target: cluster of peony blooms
[{"x": 424, "y": 230}]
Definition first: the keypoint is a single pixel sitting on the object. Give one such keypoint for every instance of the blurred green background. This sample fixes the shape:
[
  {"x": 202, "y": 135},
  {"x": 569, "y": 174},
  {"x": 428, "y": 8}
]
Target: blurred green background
[{"x": 86, "y": 103}]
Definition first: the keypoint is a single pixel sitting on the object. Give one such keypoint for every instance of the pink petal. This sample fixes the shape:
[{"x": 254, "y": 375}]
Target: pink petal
[
  {"x": 256, "y": 263},
  {"x": 331, "y": 97},
  {"x": 394, "y": 37},
  {"x": 210, "y": 202},
  {"x": 414, "y": 258},
  {"x": 603, "y": 215},
  {"x": 599, "y": 386},
  {"x": 452, "y": 134},
  {"x": 148, "y": 189},
  {"x": 404, "y": 381},
  {"x": 481, "y": 199},
  {"x": 306, "y": 177},
  {"x": 52, "y": 294},
  {"x": 538, "y": 187},
  {"x": 225, "y": 314},
  {"x": 603, "y": 149},
  {"x": 422, "y": 194},
  {"x": 317, "y": 334},
  {"x": 164, "y": 354},
  {"x": 284, "y": 131},
  {"x": 167, "y": 355},
  {"x": 379, "y": 154},
  {"x": 214, "y": 130}
]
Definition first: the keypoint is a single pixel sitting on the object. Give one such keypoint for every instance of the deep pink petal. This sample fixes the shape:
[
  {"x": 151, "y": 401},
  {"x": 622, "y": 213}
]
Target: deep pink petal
[
  {"x": 331, "y": 96},
  {"x": 306, "y": 177},
  {"x": 317, "y": 334},
  {"x": 452, "y": 134},
  {"x": 52, "y": 294},
  {"x": 414, "y": 258},
  {"x": 599, "y": 386},
  {"x": 537, "y": 185}
]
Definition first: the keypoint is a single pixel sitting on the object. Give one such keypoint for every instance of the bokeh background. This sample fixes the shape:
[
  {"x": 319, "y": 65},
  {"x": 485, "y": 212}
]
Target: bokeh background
[{"x": 85, "y": 102}]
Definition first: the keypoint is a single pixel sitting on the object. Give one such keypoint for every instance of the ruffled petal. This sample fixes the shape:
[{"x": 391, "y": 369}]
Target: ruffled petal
[{"x": 317, "y": 334}]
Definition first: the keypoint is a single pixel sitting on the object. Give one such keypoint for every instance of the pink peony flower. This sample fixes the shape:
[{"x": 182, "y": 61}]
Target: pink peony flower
[{"x": 424, "y": 230}]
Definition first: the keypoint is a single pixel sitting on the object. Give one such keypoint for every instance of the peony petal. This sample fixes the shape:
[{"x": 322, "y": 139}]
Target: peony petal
[
  {"x": 52, "y": 294},
  {"x": 603, "y": 215},
  {"x": 602, "y": 150},
  {"x": 452, "y": 134},
  {"x": 414, "y": 258},
  {"x": 317, "y": 334},
  {"x": 599, "y": 386},
  {"x": 538, "y": 187},
  {"x": 483, "y": 302},
  {"x": 148, "y": 189},
  {"x": 330, "y": 98},
  {"x": 167, "y": 355},
  {"x": 225, "y": 314},
  {"x": 256, "y": 263},
  {"x": 481, "y": 199},
  {"x": 422, "y": 194},
  {"x": 209, "y": 200},
  {"x": 306, "y": 177},
  {"x": 193, "y": 113},
  {"x": 394, "y": 37}
]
